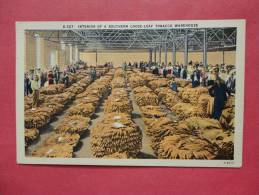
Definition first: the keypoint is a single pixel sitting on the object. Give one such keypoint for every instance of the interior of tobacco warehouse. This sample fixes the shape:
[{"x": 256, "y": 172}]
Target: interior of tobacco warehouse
[{"x": 130, "y": 94}]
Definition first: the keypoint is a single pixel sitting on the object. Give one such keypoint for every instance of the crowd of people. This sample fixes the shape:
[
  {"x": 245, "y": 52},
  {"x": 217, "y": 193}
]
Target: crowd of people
[
  {"x": 219, "y": 79},
  {"x": 38, "y": 78},
  {"x": 108, "y": 64},
  {"x": 219, "y": 88}
]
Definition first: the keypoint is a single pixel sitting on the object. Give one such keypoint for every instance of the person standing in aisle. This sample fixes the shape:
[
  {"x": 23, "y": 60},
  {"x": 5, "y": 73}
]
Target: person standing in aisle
[
  {"x": 30, "y": 76},
  {"x": 42, "y": 79},
  {"x": 211, "y": 78},
  {"x": 231, "y": 84},
  {"x": 183, "y": 73},
  {"x": 136, "y": 65},
  {"x": 66, "y": 79},
  {"x": 36, "y": 93},
  {"x": 74, "y": 68},
  {"x": 179, "y": 71},
  {"x": 204, "y": 77},
  {"x": 165, "y": 72},
  {"x": 93, "y": 73},
  {"x": 169, "y": 69},
  {"x": 50, "y": 78},
  {"x": 156, "y": 71},
  {"x": 123, "y": 66},
  {"x": 26, "y": 84},
  {"x": 175, "y": 71},
  {"x": 173, "y": 84},
  {"x": 195, "y": 77},
  {"x": 141, "y": 65},
  {"x": 219, "y": 92},
  {"x": 56, "y": 73}
]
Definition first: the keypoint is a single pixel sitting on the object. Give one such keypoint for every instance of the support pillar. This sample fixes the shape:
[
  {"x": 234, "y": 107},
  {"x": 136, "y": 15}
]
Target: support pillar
[
  {"x": 174, "y": 54},
  {"x": 75, "y": 54},
  {"x": 70, "y": 54},
  {"x": 62, "y": 54},
  {"x": 78, "y": 54},
  {"x": 223, "y": 44},
  {"x": 186, "y": 48},
  {"x": 38, "y": 51},
  {"x": 160, "y": 54},
  {"x": 155, "y": 55},
  {"x": 150, "y": 55},
  {"x": 223, "y": 56},
  {"x": 205, "y": 48},
  {"x": 96, "y": 58},
  {"x": 166, "y": 54}
]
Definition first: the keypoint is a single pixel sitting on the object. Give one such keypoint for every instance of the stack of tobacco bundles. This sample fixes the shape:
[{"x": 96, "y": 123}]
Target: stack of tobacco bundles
[
  {"x": 142, "y": 89},
  {"x": 230, "y": 102},
  {"x": 171, "y": 99},
  {"x": 38, "y": 117},
  {"x": 119, "y": 93},
  {"x": 155, "y": 84},
  {"x": 211, "y": 130},
  {"x": 118, "y": 82},
  {"x": 72, "y": 78},
  {"x": 73, "y": 124},
  {"x": 182, "y": 83},
  {"x": 183, "y": 146},
  {"x": 227, "y": 118},
  {"x": 52, "y": 89},
  {"x": 191, "y": 95},
  {"x": 86, "y": 110},
  {"x": 116, "y": 133},
  {"x": 145, "y": 99},
  {"x": 119, "y": 73},
  {"x": 186, "y": 110},
  {"x": 118, "y": 102},
  {"x": 54, "y": 151},
  {"x": 162, "y": 92},
  {"x": 136, "y": 81},
  {"x": 152, "y": 112},
  {"x": 148, "y": 76},
  {"x": 113, "y": 104},
  {"x": 62, "y": 138},
  {"x": 30, "y": 135},
  {"x": 28, "y": 101},
  {"x": 93, "y": 99},
  {"x": 56, "y": 107},
  {"x": 206, "y": 102},
  {"x": 75, "y": 88},
  {"x": 62, "y": 98}
]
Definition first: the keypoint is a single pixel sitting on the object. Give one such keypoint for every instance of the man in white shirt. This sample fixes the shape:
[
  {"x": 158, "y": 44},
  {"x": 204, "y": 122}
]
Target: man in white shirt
[{"x": 35, "y": 86}]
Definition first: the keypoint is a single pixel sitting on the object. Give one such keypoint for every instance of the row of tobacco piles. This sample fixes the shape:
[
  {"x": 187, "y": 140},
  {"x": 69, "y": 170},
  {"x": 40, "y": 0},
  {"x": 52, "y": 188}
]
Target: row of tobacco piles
[
  {"x": 116, "y": 135},
  {"x": 85, "y": 96},
  {"x": 193, "y": 135}
]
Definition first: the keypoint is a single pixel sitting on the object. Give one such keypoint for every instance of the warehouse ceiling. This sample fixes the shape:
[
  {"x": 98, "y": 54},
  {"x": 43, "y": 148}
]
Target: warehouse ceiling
[{"x": 141, "y": 39}]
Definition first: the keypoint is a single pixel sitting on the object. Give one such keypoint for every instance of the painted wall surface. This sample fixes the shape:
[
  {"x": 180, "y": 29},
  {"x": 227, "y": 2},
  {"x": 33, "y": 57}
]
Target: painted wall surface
[
  {"x": 119, "y": 57},
  {"x": 116, "y": 58}
]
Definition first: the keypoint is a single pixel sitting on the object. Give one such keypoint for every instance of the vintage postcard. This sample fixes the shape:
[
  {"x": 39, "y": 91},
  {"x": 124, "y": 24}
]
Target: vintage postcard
[{"x": 130, "y": 93}]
